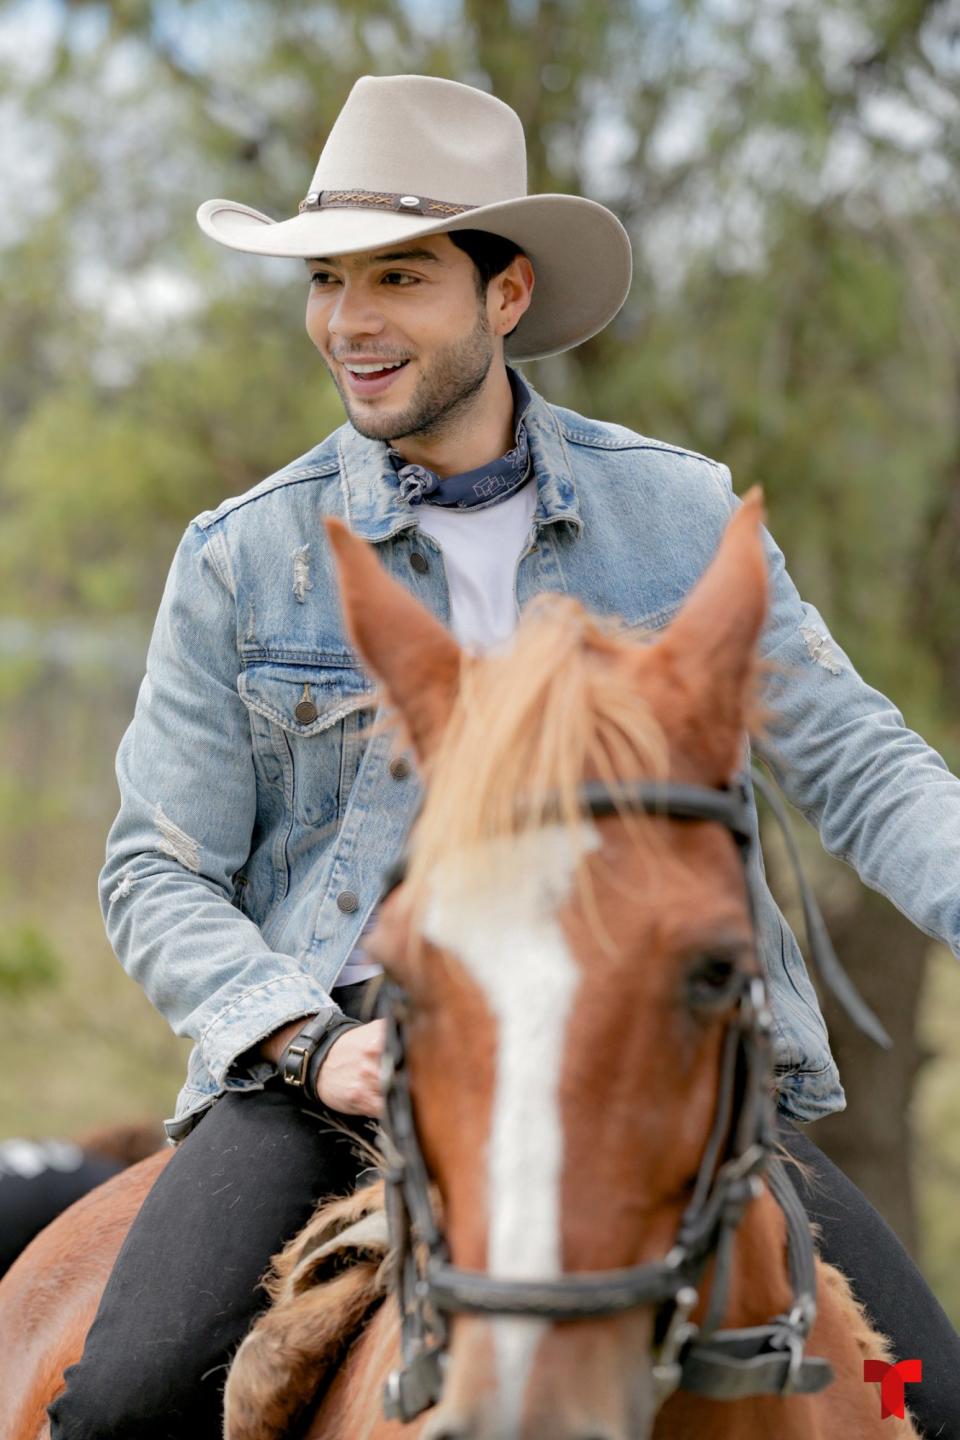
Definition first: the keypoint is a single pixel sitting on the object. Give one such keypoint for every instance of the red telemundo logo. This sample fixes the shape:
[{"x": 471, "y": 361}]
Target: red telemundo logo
[{"x": 892, "y": 1380}]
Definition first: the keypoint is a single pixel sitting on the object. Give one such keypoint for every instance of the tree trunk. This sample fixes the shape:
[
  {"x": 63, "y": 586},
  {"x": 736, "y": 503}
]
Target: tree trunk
[{"x": 871, "y": 1141}]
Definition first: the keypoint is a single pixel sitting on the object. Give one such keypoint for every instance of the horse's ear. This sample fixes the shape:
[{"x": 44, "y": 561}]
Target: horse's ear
[
  {"x": 708, "y": 656},
  {"x": 415, "y": 659}
]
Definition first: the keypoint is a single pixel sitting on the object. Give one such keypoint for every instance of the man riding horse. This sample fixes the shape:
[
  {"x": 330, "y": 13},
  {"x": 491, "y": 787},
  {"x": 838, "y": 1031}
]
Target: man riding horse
[{"x": 260, "y": 807}]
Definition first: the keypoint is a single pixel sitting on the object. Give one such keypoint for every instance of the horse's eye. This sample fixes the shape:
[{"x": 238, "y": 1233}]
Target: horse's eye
[{"x": 712, "y": 980}]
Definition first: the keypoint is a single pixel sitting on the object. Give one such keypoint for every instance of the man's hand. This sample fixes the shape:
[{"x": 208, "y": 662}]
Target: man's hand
[{"x": 349, "y": 1078}]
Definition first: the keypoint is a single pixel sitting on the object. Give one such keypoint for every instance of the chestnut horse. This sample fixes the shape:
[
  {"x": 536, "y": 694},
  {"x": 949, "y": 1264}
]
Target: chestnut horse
[
  {"x": 567, "y": 987},
  {"x": 569, "y": 984}
]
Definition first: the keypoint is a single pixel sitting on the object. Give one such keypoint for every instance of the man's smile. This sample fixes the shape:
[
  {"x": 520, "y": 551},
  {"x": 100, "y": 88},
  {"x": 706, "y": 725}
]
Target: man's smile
[{"x": 369, "y": 377}]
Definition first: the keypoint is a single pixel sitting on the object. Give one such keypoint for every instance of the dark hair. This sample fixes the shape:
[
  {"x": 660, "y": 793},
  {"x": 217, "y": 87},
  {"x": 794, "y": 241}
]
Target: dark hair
[{"x": 491, "y": 254}]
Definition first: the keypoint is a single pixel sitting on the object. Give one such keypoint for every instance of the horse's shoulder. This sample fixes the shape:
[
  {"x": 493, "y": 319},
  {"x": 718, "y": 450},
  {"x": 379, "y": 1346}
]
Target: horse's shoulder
[
  {"x": 81, "y": 1244},
  {"x": 50, "y": 1294},
  {"x": 100, "y": 1219}
]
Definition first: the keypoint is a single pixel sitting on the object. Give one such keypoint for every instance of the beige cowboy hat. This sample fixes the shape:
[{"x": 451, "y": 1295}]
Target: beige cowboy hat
[{"x": 414, "y": 155}]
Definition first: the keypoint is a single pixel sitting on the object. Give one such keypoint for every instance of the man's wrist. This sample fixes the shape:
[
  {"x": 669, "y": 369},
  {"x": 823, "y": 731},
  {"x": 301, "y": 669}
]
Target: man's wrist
[
  {"x": 273, "y": 1046},
  {"x": 299, "y": 1062},
  {"x": 343, "y": 1024}
]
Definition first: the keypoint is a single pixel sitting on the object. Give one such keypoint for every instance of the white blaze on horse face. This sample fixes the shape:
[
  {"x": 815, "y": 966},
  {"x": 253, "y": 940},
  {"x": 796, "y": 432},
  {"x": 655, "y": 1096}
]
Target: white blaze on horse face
[{"x": 497, "y": 913}]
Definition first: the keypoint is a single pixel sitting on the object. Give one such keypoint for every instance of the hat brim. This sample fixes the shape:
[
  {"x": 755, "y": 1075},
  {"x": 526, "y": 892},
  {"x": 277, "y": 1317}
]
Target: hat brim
[{"x": 579, "y": 250}]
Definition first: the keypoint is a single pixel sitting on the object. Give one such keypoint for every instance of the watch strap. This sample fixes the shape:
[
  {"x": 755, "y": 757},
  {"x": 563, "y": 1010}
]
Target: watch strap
[
  {"x": 299, "y": 1063},
  {"x": 294, "y": 1063}
]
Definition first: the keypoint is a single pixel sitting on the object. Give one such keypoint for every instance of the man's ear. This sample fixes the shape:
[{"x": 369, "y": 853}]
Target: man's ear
[
  {"x": 513, "y": 294},
  {"x": 704, "y": 666},
  {"x": 415, "y": 659}
]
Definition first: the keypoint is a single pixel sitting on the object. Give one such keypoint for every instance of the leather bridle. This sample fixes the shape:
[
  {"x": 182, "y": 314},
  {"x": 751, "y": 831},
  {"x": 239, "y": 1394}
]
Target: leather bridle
[{"x": 723, "y": 1364}]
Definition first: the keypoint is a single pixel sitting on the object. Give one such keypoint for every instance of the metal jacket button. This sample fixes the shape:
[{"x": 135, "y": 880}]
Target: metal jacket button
[
  {"x": 400, "y": 767},
  {"x": 419, "y": 562},
  {"x": 306, "y": 711},
  {"x": 347, "y": 901}
]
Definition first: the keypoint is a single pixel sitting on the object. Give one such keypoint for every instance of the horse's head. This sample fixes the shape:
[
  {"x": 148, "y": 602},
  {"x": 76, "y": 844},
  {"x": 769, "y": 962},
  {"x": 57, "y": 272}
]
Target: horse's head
[{"x": 570, "y": 980}]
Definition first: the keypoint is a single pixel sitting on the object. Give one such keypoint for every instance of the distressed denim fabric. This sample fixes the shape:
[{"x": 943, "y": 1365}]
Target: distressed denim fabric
[{"x": 258, "y": 815}]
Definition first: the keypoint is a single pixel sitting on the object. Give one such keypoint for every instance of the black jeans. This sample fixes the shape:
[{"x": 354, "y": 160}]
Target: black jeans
[{"x": 184, "y": 1288}]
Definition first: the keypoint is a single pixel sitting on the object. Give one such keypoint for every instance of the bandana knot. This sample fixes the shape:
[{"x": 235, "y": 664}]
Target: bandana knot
[
  {"x": 472, "y": 489},
  {"x": 416, "y": 483}
]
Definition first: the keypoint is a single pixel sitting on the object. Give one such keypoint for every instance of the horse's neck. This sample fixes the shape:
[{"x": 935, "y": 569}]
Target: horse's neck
[
  {"x": 759, "y": 1280},
  {"x": 352, "y": 1408},
  {"x": 759, "y": 1289}
]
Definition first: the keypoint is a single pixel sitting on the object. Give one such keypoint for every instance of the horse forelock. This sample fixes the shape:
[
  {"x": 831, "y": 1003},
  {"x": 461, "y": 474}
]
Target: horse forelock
[{"x": 528, "y": 725}]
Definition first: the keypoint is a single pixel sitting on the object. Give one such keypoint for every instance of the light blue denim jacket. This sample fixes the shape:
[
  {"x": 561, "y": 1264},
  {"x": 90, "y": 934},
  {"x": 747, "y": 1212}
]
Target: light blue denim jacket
[{"x": 250, "y": 844}]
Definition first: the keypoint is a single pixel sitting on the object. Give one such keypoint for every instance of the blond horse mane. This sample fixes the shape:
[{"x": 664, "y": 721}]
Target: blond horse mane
[{"x": 528, "y": 724}]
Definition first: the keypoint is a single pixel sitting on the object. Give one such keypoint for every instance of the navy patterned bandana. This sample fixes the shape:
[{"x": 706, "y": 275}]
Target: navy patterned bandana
[{"x": 473, "y": 489}]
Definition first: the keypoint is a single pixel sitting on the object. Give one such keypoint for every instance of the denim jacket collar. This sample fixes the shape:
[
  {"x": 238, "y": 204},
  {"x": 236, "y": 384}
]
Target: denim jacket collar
[{"x": 374, "y": 507}]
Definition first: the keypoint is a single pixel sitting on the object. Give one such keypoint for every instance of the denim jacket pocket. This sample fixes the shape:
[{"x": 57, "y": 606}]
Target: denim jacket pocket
[{"x": 309, "y": 723}]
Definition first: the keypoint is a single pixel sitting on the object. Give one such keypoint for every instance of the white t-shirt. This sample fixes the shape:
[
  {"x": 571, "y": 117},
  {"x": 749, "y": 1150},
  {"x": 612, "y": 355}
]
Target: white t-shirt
[{"x": 481, "y": 550}]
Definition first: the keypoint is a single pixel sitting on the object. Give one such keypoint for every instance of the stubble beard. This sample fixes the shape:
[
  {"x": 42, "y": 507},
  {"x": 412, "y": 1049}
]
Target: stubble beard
[{"x": 444, "y": 394}]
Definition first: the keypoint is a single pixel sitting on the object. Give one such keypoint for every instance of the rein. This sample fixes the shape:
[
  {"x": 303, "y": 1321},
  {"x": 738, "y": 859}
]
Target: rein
[{"x": 722, "y": 1364}]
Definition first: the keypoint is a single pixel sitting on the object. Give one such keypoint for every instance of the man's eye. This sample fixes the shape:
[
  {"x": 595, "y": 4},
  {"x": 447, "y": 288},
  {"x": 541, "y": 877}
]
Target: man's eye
[
  {"x": 397, "y": 277},
  {"x": 320, "y": 279}
]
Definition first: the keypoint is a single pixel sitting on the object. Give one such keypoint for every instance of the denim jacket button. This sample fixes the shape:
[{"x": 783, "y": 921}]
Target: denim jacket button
[
  {"x": 419, "y": 562},
  {"x": 347, "y": 901},
  {"x": 306, "y": 712},
  {"x": 400, "y": 767}
]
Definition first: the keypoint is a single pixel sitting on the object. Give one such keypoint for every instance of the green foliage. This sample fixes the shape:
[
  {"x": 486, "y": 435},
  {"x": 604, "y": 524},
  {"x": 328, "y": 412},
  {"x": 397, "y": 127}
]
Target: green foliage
[
  {"x": 28, "y": 962},
  {"x": 99, "y": 485}
]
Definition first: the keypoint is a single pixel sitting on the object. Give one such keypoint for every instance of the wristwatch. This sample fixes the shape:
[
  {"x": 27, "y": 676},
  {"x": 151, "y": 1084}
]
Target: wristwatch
[{"x": 300, "y": 1062}]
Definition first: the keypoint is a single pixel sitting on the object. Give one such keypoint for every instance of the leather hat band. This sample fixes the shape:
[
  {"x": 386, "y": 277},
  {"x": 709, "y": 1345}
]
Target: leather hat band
[{"x": 381, "y": 200}]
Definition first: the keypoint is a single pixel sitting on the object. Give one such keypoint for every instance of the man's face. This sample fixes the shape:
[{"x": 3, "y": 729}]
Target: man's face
[{"x": 413, "y": 305}]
